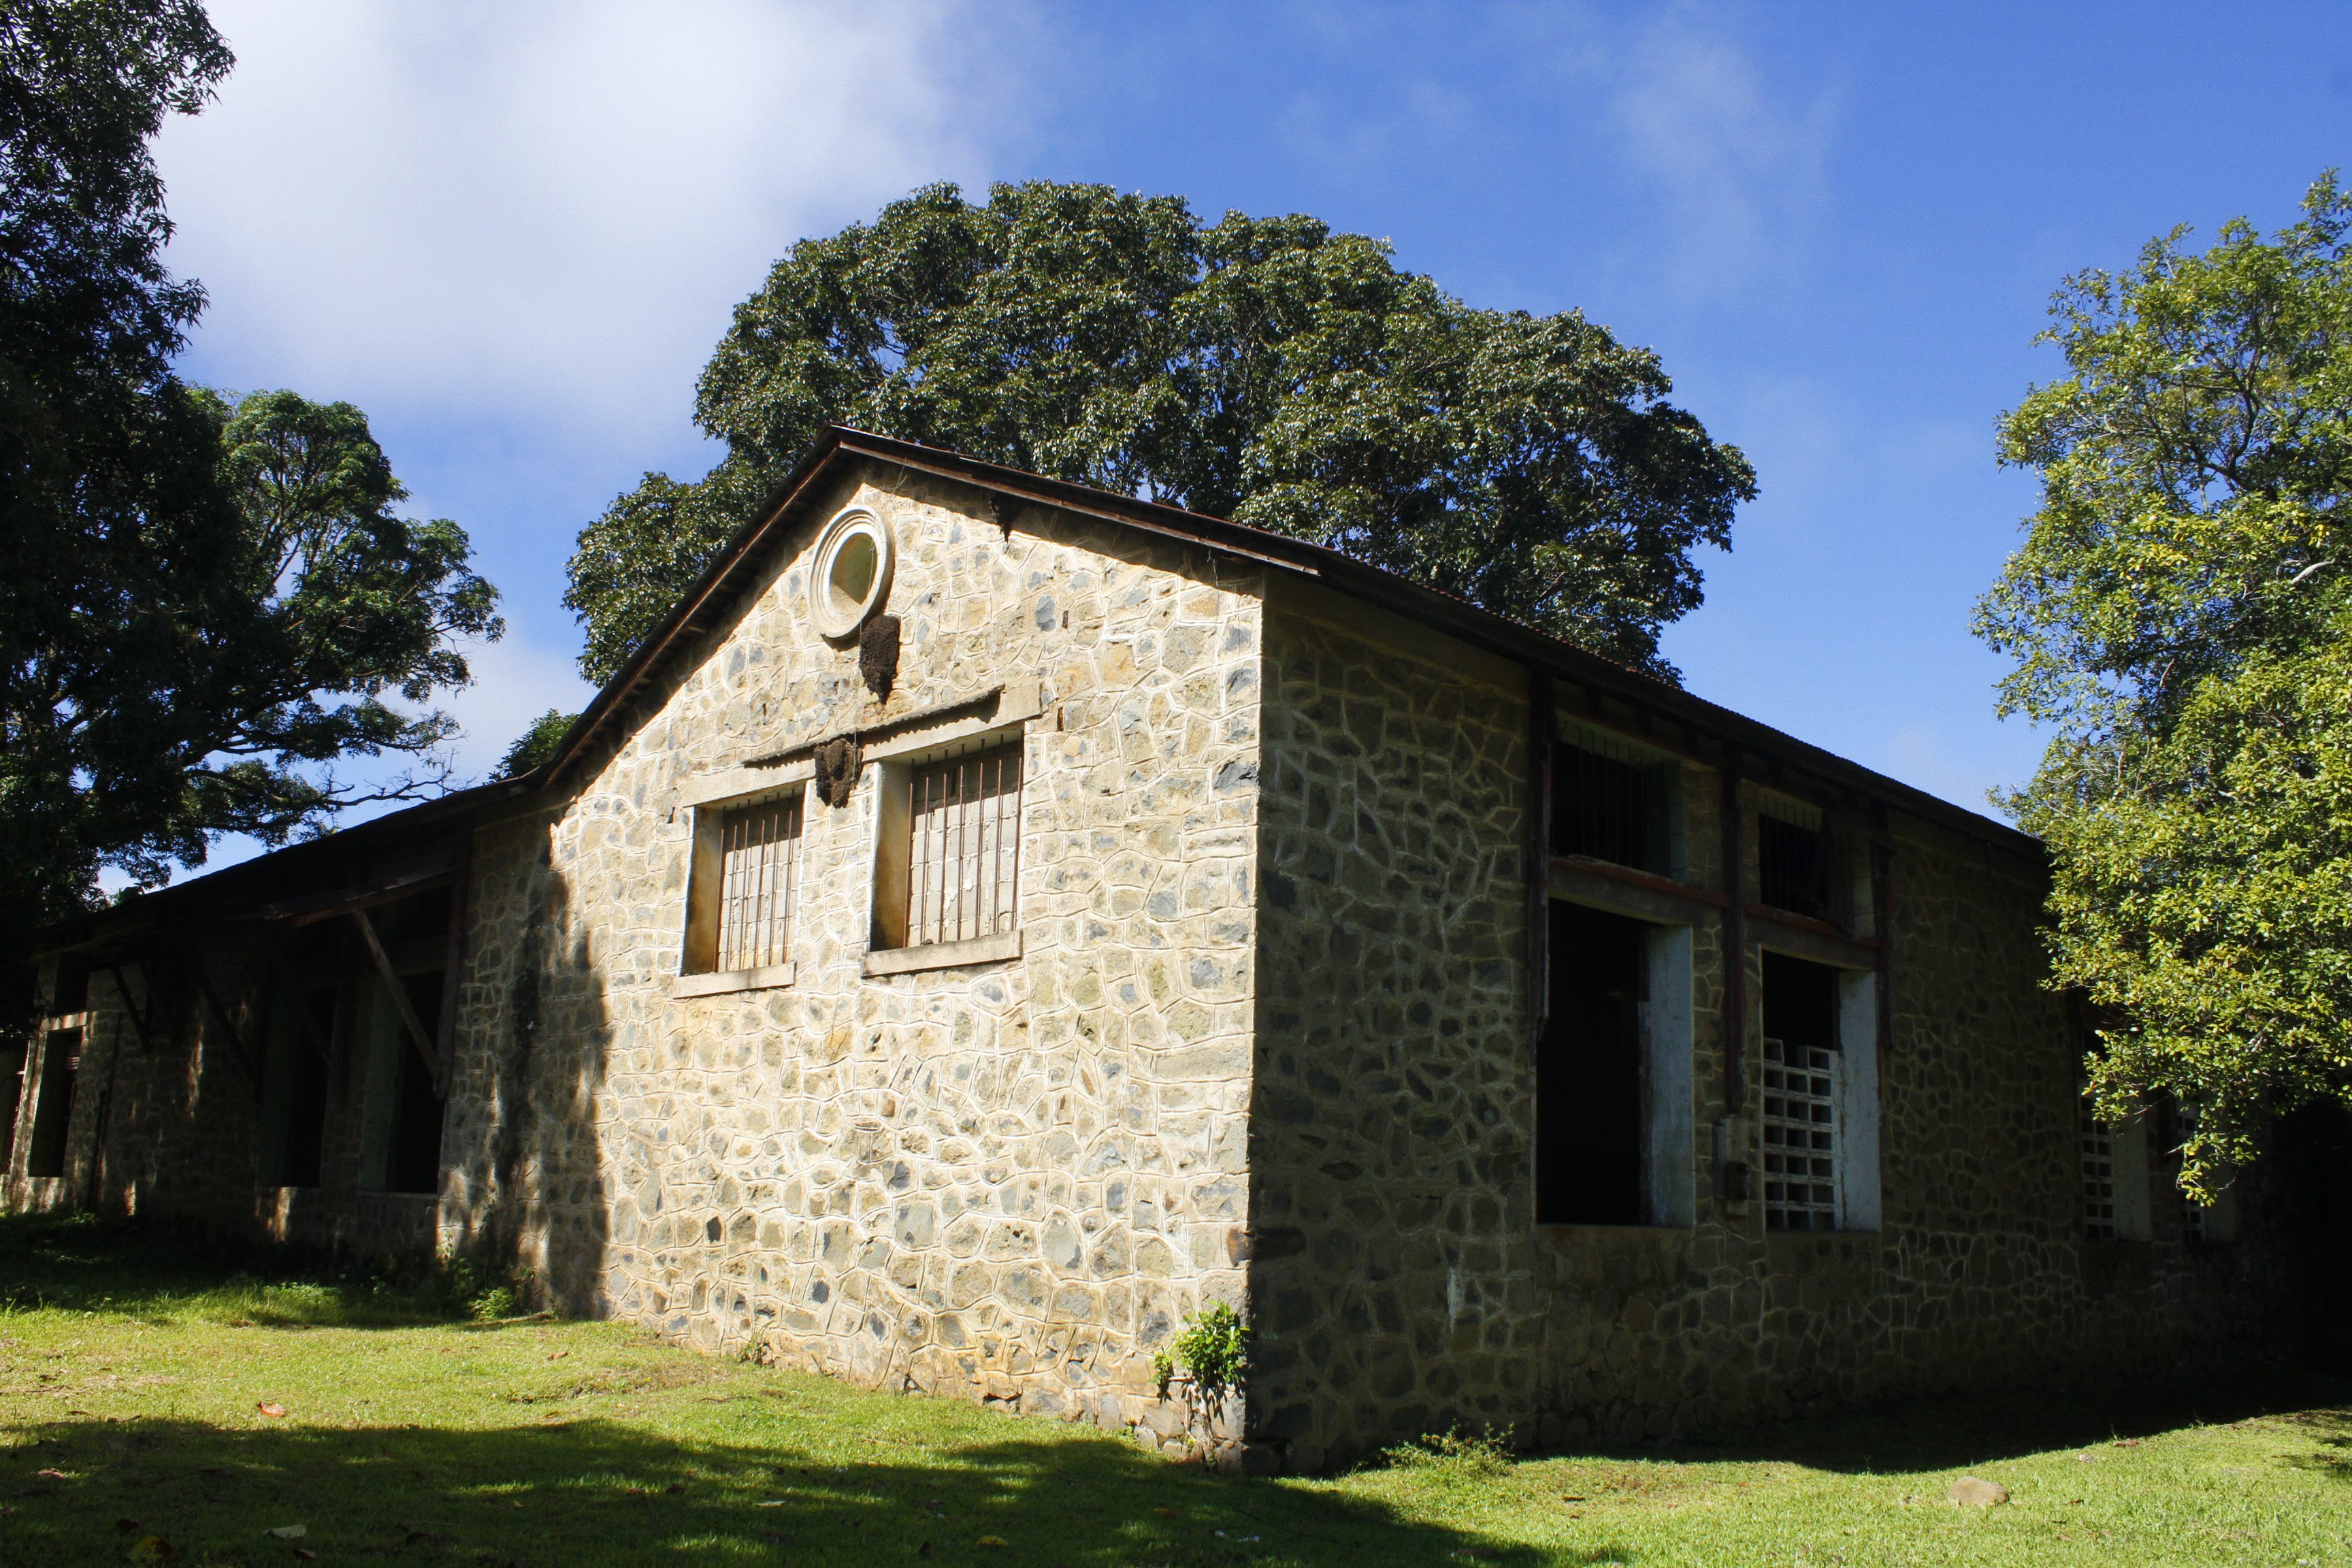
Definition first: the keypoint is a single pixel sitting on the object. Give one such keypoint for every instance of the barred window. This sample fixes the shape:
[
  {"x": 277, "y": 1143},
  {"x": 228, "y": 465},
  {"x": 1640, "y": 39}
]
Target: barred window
[
  {"x": 2098, "y": 1178},
  {"x": 964, "y": 845},
  {"x": 1800, "y": 1129},
  {"x": 759, "y": 872}
]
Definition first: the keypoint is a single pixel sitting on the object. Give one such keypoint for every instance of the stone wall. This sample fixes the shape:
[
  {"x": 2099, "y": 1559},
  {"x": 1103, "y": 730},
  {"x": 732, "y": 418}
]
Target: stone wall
[
  {"x": 1400, "y": 1281},
  {"x": 1265, "y": 1040},
  {"x": 1005, "y": 1181}
]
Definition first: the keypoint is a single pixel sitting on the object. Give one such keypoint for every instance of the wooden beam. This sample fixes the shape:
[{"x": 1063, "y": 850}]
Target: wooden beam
[
  {"x": 1624, "y": 891},
  {"x": 220, "y": 1016},
  {"x": 137, "y": 1022},
  {"x": 408, "y": 1017},
  {"x": 345, "y": 900}
]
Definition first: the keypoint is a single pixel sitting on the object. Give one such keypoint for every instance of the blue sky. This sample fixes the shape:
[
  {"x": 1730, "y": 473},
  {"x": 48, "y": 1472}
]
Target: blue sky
[{"x": 513, "y": 233}]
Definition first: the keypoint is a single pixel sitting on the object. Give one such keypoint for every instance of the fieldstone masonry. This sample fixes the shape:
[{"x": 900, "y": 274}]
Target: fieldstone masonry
[
  {"x": 1007, "y": 1180},
  {"x": 1264, "y": 1040}
]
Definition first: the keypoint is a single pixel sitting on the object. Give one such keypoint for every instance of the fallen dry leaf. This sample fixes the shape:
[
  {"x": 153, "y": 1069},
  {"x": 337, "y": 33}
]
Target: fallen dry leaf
[
  {"x": 306, "y": 1554},
  {"x": 48, "y": 1475},
  {"x": 1165, "y": 1512},
  {"x": 558, "y": 1355},
  {"x": 291, "y": 1532},
  {"x": 268, "y": 1408},
  {"x": 992, "y": 1540}
]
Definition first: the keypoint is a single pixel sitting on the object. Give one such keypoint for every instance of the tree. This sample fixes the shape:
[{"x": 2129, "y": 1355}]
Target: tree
[
  {"x": 205, "y": 605},
  {"x": 2181, "y": 615},
  {"x": 1262, "y": 369},
  {"x": 538, "y": 743}
]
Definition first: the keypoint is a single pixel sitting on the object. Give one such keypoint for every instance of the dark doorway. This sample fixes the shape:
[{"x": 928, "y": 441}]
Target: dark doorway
[
  {"x": 306, "y": 1111},
  {"x": 415, "y": 1162},
  {"x": 2313, "y": 1150},
  {"x": 1589, "y": 1088}
]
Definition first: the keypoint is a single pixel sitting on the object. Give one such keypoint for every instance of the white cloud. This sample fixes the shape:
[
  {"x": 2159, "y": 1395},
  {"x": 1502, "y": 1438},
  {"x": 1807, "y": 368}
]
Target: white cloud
[
  {"x": 538, "y": 208},
  {"x": 1740, "y": 162},
  {"x": 515, "y": 681}
]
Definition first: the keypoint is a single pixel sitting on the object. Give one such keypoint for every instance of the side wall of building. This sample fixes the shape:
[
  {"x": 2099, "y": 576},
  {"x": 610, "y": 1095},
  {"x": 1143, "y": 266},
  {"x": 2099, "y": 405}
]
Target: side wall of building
[
  {"x": 1007, "y": 1180},
  {"x": 1400, "y": 1281},
  {"x": 178, "y": 1054}
]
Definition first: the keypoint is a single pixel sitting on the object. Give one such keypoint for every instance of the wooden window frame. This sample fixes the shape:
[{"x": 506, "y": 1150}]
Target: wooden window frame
[
  {"x": 718, "y": 928},
  {"x": 909, "y": 932}
]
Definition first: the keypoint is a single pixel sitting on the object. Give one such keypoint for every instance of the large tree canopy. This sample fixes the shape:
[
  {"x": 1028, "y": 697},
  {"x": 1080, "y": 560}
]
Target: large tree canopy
[
  {"x": 204, "y": 606},
  {"x": 1262, "y": 369},
  {"x": 2182, "y": 614}
]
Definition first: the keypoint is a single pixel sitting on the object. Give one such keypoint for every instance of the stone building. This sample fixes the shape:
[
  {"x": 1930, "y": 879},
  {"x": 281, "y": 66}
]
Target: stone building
[{"x": 990, "y": 919}]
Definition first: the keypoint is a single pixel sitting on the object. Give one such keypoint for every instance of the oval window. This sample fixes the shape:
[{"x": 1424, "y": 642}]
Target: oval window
[{"x": 853, "y": 573}]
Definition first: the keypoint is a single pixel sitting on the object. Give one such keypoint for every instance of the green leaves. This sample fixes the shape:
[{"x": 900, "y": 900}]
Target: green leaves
[
  {"x": 2182, "y": 614},
  {"x": 189, "y": 664},
  {"x": 1263, "y": 368}
]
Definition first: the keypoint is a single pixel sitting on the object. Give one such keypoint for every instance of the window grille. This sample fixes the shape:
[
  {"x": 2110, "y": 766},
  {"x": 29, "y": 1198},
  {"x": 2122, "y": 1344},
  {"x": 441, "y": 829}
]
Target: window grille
[
  {"x": 1601, "y": 807},
  {"x": 1791, "y": 867},
  {"x": 2098, "y": 1178},
  {"x": 1799, "y": 1130},
  {"x": 759, "y": 870},
  {"x": 964, "y": 817}
]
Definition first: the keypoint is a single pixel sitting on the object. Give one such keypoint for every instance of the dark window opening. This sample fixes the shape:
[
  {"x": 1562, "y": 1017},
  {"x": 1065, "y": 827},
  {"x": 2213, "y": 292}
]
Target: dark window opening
[
  {"x": 1609, "y": 810},
  {"x": 70, "y": 993},
  {"x": 415, "y": 1162},
  {"x": 53, "y": 1110},
  {"x": 1802, "y": 1141},
  {"x": 296, "y": 1147},
  {"x": 1589, "y": 1113},
  {"x": 304, "y": 1019},
  {"x": 1792, "y": 868}
]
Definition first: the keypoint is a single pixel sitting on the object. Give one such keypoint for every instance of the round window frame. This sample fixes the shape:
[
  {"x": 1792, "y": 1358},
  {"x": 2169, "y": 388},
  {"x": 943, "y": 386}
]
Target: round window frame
[{"x": 849, "y": 523}]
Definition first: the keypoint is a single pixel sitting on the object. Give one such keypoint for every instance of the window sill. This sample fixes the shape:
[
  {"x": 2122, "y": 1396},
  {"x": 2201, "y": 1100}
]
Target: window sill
[
  {"x": 766, "y": 978},
  {"x": 944, "y": 955}
]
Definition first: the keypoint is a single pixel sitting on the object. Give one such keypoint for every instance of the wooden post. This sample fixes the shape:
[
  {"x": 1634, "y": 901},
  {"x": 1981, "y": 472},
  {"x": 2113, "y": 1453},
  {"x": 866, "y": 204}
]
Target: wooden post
[{"x": 416, "y": 1034}]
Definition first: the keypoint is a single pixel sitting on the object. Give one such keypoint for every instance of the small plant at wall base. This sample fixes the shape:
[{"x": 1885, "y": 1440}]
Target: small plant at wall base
[
  {"x": 1452, "y": 1459},
  {"x": 1212, "y": 1349},
  {"x": 485, "y": 1292}
]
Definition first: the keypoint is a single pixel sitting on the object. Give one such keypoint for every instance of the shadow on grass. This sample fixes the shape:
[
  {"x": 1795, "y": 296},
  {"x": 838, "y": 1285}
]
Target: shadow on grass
[
  {"x": 82, "y": 1263},
  {"x": 1961, "y": 1431},
  {"x": 595, "y": 1492}
]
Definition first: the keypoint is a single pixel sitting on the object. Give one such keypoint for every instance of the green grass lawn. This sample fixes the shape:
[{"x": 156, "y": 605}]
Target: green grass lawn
[{"x": 136, "y": 1385}]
